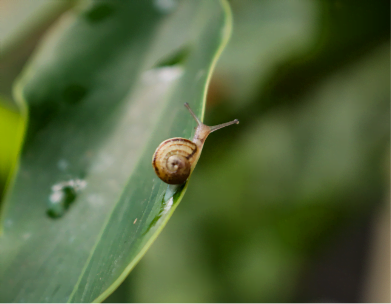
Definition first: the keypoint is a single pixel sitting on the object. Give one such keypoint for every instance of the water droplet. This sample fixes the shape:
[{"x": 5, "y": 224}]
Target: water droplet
[
  {"x": 62, "y": 196},
  {"x": 165, "y": 6}
]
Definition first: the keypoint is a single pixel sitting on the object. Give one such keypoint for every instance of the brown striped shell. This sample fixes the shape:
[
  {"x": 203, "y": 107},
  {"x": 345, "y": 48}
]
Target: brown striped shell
[{"x": 173, "y": 160}]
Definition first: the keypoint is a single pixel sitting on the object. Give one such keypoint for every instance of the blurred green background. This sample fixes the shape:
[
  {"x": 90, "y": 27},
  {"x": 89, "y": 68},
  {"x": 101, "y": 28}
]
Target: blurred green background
[{"x": 292, "y": 204}]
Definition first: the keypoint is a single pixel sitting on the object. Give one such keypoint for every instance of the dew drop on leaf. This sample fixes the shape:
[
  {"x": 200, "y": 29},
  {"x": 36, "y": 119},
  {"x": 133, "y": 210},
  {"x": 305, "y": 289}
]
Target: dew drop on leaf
[{"x": 63, "y": 194}]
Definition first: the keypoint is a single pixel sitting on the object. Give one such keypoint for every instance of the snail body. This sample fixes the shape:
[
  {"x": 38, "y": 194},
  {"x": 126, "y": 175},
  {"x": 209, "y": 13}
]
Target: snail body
[{"x": 175, "y": 158}]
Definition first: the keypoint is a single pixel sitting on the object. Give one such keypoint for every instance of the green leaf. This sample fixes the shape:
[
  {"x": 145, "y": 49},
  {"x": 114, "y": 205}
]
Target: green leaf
[
  {"x": 11, "y": 134},
  {"x": 266, "y": 34},
  {"x": 21, "y": 27},
  {"x": 23, "y": 17},
  {"x": 105, "y": 88}
]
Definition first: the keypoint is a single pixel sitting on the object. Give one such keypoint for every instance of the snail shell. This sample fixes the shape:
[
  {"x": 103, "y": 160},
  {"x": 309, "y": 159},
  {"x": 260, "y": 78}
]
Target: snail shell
[{"x": 175, "y": 158}]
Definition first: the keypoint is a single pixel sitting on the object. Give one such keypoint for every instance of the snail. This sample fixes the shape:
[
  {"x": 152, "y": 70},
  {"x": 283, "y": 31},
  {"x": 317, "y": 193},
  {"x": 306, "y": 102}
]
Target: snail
[{"x": 175, "y": 158}]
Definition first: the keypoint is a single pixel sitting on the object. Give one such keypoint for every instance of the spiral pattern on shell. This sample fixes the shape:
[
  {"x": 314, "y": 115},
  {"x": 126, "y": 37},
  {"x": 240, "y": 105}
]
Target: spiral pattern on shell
[{"x": 172, "y": 160}]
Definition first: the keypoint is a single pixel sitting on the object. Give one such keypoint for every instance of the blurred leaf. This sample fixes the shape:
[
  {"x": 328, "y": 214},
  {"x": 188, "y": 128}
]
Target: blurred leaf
[
  {"x": 100, "y": 102},
  {"x": 344, "y": 32},
  {"x": 11, "y": 132},
  {"x": 22, "y": 23},
  {"x": 266, "y": 34},
  {"x": 20, "y": 17}
]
